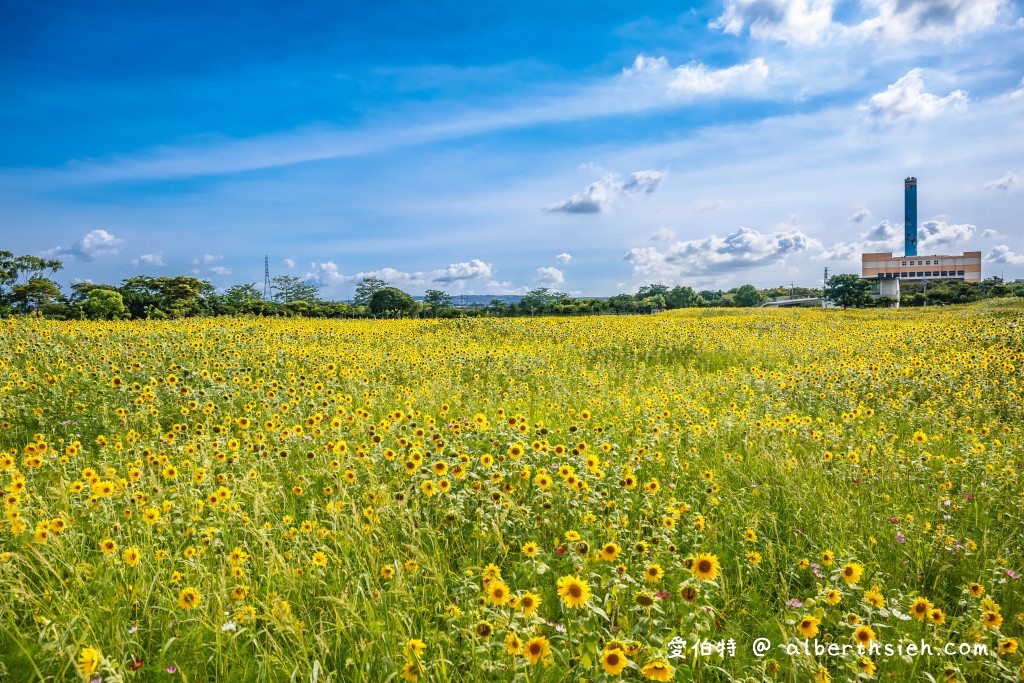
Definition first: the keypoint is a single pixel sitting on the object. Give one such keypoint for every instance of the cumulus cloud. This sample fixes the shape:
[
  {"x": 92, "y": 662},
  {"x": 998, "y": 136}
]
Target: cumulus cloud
[
  {"x": 886, "y": 236},
  {"x": 463, "y": 271},
  {"x": 989, "y": 232},
  {"x": 220, "y": 270},
  {"x": 564, "y": 257},
  {"x": 601, "y": 194},
  {"x": 906, "y": 99},
  {"x": 288, "y": 263},
  {"x": 814, "y": 21},
  {"x": 327, "y": 274},
  {"x": 1002, "y": 254},
  {"x": 663, "y": 235},
  {"x": 934, "y": 234},
  {"x": 550, "y": 277},
  {"x": 94, "y": 244},
  {"x": 156, "y": 259},
  {"x": 860, "y": 214},
  {"x": 744, "y": 248},
  {"x": 1008, "y": 180},
  {"x": 790, "y": 21},
  {"x": 941, "y": 20}
]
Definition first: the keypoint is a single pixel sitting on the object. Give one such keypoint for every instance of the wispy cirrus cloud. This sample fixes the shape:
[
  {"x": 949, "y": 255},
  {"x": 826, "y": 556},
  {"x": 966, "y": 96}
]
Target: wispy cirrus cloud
[
  {"x": 650, "y": 83},
  {"x": 1008, "y": 180}
]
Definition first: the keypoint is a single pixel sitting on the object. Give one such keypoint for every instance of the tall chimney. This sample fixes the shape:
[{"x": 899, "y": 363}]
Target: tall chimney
[{"x": 910, "y": 216}]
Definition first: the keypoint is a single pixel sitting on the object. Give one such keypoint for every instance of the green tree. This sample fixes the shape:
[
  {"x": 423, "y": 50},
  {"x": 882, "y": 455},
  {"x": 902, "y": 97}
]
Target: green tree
[
  {"x": 682, "y": 297},
  {"x": 648, "y": 291},
  {"x": 179, "y": 296},
  {"x": 366, "y": 289},
  {"x": 241, "y": 299},
  {"x": 288, "y": 288},
  {"x": 35, "y": 293},
  {"x": 848, "y": 290},
  {"x": 746, "y": 296},
  {"x": 437, "y": 300},
  {"x": 105, "y": 304},
  {"x": 391, "y": 301},
  {"x": 651, "y": 303},
  {"x": 24, "y": 268}
]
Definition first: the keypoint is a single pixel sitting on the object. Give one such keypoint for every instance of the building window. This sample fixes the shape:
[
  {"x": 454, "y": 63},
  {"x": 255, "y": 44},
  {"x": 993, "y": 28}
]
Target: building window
[
  {"x": 903, "y": 263},
  {"x": 959, "y": 272}
]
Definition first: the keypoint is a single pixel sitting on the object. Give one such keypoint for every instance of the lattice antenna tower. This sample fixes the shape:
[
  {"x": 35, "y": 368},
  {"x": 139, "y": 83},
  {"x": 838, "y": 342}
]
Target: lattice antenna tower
[{"x": 266, "y": 278}]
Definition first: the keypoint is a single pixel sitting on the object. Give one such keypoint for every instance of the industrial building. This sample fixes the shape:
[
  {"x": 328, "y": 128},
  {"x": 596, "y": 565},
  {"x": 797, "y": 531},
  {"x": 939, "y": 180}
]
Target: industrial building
[{"x": 887, "y": 270}]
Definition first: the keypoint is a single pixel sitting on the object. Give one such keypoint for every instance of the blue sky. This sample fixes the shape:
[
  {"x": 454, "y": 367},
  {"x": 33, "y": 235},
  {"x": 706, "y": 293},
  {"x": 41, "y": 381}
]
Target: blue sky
[{"x": 497, "y": 147}]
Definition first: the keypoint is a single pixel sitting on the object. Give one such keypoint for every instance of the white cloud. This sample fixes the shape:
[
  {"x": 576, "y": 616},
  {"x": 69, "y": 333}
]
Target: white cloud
[
  {"x": 860, "y": 214},
  {"x": 601, "y": 194},
  {"x": 206, "y": 260},
  {"x": 886, "y": 236},
  {"x": 495, "y": 287},
  {"x": 1002, "y": 254},
  {"x": 156, "y": 259},
  {"x": 744, "y": 248},
  {"x": 663, "y": 235},
  {"x": 928, "y": 20},
  {"x": 564, "y": 257},
  {"x": 1008, "y": 180},
  {"x": 698, "y": 79},
  {"x": 463, "y": 271},
  {"x": 791, "y": 21},
  {"x": 704, "y": 207},
  {"x": 220, "y": 270},
  {"x": 934, "y": 234},
  {"x": 645, "y": 65},
  {"x": 327, "y": 274},
  {"x": 94, "y": 244},
  {"x": 550, "y": 277},
  {"x": 813, "y": 21},
  {"x": 288, "y": 263},
  {"x": 906, "y": 100},
  {"x": 989, "y": 232}
]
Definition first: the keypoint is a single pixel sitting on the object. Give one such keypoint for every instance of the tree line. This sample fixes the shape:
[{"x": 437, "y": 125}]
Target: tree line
[{"x": 26, "y": 287}]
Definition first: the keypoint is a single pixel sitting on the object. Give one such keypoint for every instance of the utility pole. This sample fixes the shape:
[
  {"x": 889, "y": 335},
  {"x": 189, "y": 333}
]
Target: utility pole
[{"x": 266, "y": 277}]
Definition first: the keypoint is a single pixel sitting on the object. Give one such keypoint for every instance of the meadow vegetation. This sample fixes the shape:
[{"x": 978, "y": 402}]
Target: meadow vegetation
[{"x": 540, "y": 499}]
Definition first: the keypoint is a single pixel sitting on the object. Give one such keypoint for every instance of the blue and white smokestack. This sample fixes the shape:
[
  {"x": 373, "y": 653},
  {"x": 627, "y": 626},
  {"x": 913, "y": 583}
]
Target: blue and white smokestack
[{"x": 910, "y": 216}]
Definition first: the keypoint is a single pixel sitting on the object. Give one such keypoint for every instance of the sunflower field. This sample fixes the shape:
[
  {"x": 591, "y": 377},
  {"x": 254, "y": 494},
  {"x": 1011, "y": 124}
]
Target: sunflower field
[{"x": 574, "y": 499}]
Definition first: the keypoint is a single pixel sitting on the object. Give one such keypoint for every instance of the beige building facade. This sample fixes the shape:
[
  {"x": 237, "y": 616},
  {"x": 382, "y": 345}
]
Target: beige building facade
[{"x": 884, "y": 266}]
